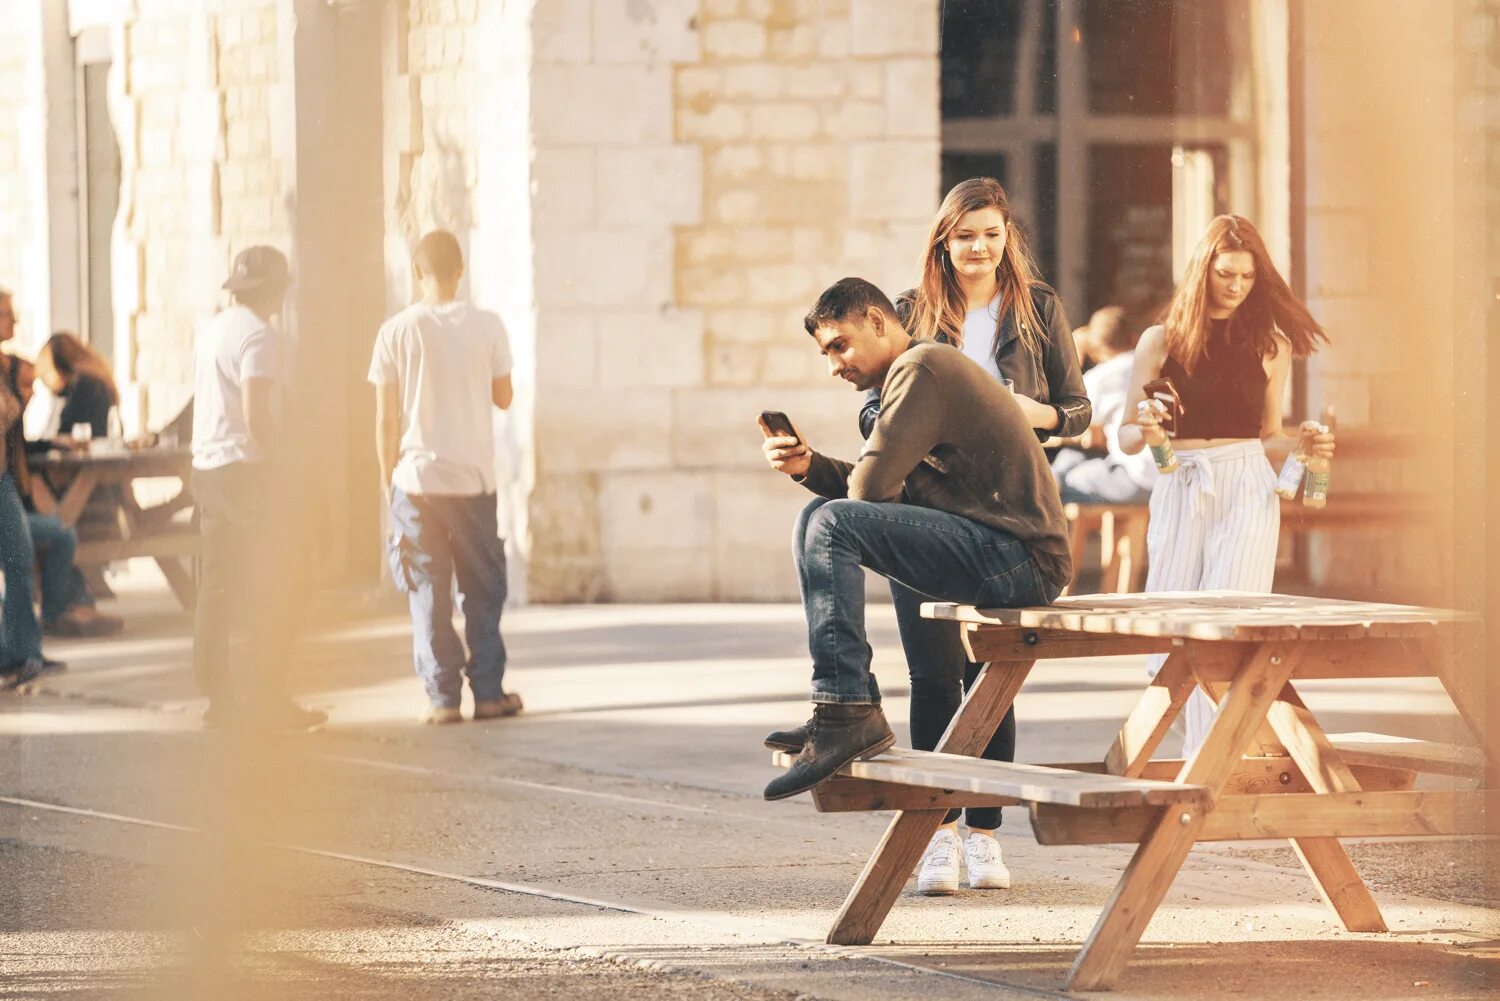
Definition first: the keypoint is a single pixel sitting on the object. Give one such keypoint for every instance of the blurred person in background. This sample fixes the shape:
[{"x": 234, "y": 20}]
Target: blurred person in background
[
  {"x": 1083, "y": 475},
  {"x": 80, "y": 377},
  {"x": 244, "y": 565},
  {"x": 1085, "y": 350},
  {"x": 21, "y": 659},
  {"x": 439, "y": 367},
  {"x": 981, "y": 291},
  {"x": 1231, "y": 331},
  {"x": 67, "y": 606}
]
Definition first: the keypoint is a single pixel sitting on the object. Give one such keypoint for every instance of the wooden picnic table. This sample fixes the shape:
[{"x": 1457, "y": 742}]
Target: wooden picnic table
[
  {"x": 1266, "y": 769},
  {"x": 64, "y": 481}
]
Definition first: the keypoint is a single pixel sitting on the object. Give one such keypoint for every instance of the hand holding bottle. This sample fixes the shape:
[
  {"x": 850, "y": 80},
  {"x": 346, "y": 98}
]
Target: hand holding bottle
[
  {"x": 1148, "y": 415},
  {"x": 1316, "y": 439}
]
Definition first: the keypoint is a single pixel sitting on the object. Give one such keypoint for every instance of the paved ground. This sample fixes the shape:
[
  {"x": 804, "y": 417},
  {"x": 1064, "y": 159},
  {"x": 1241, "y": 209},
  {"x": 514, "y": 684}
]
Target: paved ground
[{"x": 612, "y": 840}]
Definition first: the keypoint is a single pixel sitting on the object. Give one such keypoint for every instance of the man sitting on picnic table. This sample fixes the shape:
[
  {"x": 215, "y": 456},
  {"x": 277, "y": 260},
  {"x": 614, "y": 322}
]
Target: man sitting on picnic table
[{"x": 952, "y": 496}]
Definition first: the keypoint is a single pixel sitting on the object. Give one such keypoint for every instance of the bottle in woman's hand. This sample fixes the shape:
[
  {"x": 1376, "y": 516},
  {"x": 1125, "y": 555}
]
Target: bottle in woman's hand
[
  {"x": 1149, "y": 414},
  {"x": 1319, "y": 473},
  {"x": 1320, "y": 467},
  {"x": 1296, "y": 463}
]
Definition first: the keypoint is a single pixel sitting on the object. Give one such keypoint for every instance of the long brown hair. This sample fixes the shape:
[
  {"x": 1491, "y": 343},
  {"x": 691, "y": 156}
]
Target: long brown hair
[
  {"x": 940, "y": 305},
  {"x": 1271, "y": 305},
  {"x": 72, "y": 358}
]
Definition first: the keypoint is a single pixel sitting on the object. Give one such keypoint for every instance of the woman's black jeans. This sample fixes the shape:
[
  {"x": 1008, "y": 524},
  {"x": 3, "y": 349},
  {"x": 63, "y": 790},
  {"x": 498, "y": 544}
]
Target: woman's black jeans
[{"x": 940, "y": 674}]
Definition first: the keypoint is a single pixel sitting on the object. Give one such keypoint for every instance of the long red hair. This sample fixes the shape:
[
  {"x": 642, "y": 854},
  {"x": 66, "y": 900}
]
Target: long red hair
[
  {"x": 1270, "y": 307},
  {"x": 72, "y": 358},
  {"x": 940, "y": 305}
]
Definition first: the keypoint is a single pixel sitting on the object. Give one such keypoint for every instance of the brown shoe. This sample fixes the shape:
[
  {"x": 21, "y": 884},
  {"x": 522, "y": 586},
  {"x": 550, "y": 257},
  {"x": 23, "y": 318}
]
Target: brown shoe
[
  {"x": 505, "y": 705},
  {"x": 442, "y": 714}
]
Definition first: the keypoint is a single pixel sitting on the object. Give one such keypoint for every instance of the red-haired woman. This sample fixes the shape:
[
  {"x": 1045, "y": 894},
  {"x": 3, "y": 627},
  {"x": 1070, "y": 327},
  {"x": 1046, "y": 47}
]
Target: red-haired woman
[
  {"x": 1230, "y": 334},
  {"x": 980, "y": 291}
]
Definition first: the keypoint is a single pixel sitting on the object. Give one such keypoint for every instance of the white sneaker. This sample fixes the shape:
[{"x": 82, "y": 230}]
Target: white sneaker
[
  {"x": 982, "y": 857},
  {"x": 939, "y": 873}
]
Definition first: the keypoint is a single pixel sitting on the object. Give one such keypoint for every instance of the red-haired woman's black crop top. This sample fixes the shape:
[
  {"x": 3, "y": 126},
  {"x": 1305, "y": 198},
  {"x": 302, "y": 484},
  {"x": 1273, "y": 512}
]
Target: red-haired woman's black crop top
[{"x": 1225, "y": 396}]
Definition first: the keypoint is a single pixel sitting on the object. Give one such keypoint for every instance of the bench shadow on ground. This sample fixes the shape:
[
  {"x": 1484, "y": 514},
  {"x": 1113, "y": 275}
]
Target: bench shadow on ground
[{"x": 1367, "y": 970}]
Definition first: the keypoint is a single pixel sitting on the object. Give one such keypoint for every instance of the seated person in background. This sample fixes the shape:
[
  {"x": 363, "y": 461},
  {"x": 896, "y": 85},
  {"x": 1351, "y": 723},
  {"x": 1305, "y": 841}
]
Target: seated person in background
[
  {"x": 1082, "y": 345},
  {"x": 67, "y": 607},
  {"x": 951, "y": 497},
  {"x": 80, "y": 377},
  {"x": 1093, "y": 469}
]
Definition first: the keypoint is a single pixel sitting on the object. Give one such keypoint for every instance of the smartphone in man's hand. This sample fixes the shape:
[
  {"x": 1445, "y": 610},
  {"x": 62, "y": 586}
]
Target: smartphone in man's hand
[{"x": 775, "y": 424}]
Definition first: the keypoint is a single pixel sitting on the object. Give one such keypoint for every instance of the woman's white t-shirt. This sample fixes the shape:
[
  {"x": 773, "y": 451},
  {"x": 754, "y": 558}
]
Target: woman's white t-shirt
[{"x": 979, "y": 336}]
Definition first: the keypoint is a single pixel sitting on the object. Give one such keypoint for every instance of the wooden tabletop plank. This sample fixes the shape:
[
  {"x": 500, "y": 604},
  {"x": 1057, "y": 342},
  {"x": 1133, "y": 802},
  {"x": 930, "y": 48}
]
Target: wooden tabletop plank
[{"x": 1212, "y": 615}]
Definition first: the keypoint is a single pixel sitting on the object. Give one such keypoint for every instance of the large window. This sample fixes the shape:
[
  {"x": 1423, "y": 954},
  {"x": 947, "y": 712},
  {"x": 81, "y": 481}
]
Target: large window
[{"x": 1084, "y": 109}]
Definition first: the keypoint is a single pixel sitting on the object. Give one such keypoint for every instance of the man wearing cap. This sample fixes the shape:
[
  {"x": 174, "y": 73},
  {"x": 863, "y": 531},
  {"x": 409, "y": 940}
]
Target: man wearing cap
[{"x": 238, "y": 366}]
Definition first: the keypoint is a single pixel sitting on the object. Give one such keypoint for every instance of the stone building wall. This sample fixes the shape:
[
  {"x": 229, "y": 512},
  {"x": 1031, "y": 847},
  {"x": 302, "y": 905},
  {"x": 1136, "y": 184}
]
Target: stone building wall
[
  {"x": 1382, "y": 211},
  {"x": 23, "y": 221},
  {"x": 200, "y": 98},
  {"x": 703, "y": 169},
  {"x": 456, "y": 141}
]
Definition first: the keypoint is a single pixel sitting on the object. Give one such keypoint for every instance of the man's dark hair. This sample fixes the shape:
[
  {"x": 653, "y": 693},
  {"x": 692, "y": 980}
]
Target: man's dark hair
[
  {"x": 439, "y": 255},
  {"x": 843, "y": 297}
]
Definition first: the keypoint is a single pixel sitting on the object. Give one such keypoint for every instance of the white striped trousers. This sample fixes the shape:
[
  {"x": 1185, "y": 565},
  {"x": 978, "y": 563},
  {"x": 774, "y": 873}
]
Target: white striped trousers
[{"x": 1214, "y": 526}]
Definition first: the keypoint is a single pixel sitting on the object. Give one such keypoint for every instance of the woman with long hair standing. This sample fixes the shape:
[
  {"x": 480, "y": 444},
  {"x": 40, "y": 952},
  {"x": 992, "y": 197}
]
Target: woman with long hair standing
[
  {"x": 1227, "y": 343},
  {"x": 981, "y": 292}
]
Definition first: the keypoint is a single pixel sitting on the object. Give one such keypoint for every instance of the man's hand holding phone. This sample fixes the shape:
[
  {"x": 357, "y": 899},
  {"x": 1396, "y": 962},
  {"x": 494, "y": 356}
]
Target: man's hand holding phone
[{"x": 784, "y": 448}]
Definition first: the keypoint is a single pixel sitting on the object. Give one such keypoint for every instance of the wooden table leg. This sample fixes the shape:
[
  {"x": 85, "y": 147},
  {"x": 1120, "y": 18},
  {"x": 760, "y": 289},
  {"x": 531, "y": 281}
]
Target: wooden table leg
[
  {"x": 880, "y": 883},
  {"x": 1148, "y": 722},
  {"x": 1325, "y": 859},
  {"x": 1467, "y": 697},
  {"x": 1161, "y": 854},
  {"x": 184, "y": 588},
  {"x": 76, "y": 496}
]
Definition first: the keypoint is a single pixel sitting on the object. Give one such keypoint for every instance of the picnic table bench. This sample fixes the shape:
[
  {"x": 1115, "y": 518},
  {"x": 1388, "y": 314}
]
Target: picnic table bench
[
  {"x": 65, "y": 481},
  {"x": 1266, "y": 770}
]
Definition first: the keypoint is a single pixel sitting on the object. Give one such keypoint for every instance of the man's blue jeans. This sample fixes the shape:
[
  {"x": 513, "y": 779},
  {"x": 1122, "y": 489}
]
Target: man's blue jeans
[
  {"x": 63, "y": 586},
  {"x": 941, "y": 555},
  {"x": 435, "y": 538},
  {"x": 22, "y": 633}
]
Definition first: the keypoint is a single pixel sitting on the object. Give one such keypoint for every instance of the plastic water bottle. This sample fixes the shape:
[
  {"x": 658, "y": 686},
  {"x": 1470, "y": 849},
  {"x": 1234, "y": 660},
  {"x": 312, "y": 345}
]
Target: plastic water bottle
[
  {"x": 1295, "y": 466},
  {"x": 1319, "y": 470},
  {"x": 1156, "y": 438}
]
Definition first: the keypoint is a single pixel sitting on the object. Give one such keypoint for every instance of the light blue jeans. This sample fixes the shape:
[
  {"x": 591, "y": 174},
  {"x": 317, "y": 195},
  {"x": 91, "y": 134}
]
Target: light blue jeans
[
  {"x": 22, "y": 634},
  {"x": 437, "y": 538},
  {"x": 63, "y": 586}
]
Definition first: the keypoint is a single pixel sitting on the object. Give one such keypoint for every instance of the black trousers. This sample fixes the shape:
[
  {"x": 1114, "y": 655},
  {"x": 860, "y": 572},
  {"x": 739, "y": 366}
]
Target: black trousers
[{"x": 940, "y": 674}]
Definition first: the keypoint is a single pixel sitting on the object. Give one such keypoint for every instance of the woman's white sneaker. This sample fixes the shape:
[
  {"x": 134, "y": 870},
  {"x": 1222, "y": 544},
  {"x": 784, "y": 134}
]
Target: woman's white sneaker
[
  {"x": 939, "y": 873},
  {"x": 982, "y": 857}
]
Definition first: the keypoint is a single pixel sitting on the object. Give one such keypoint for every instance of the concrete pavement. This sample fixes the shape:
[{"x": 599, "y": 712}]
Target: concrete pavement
[{"x": 612, "y": 838}]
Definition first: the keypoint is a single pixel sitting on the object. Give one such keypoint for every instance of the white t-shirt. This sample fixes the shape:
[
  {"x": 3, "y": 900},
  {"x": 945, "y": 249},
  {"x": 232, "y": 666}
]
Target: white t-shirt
[
  {"x": 234, "y": 346},
  {"x": 979, "y": 336},
  {"x": 444, "y": 359},
  {"x": 1108, "y": 385}
]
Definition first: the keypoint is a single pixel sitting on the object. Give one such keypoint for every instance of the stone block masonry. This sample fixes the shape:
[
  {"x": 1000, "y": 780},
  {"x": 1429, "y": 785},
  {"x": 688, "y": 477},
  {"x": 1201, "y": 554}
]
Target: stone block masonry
[{"x": 728, "y": 160}]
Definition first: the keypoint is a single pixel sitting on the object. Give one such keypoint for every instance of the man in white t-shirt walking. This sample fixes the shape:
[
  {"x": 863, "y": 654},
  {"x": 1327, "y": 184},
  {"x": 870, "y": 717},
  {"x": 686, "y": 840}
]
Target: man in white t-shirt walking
[
  {"x": 237, "y": 372},
  {"x": 439, "y": 366}
]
